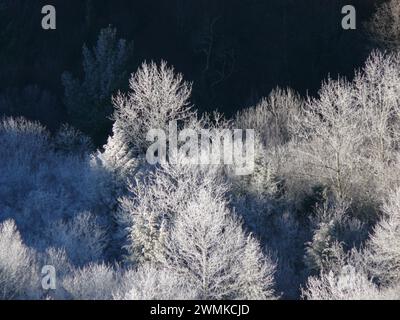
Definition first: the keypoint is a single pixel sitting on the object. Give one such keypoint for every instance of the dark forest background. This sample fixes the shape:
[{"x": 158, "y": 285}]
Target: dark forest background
[{"x": 234, "y": 51}]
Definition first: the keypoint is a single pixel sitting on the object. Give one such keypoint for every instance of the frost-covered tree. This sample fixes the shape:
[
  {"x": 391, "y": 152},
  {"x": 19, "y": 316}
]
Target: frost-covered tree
[
  {"x": 384, "y": 244},
  {"x": 335, "y": 232},
  {"x": 377, "y": 92},
  {"x": 118, "y": 159},
  {"x": 149, "y": 282},
  {"x": 152, "y": 203},
  {"x": 262, "y": 197},
  {"x": 272, "y": 116},
  {"x": 92, "y": 282},
  {"x": 88, "y": 101},
  {"x": 377, "y": 89},
  {"x": 209, "y": 249},
  {"x": 347, "y": 137},
  {"x": 71, "y": 141},
  {"x": 384, "y": 26},
  {"x": 256, "y": 195},
  {"x": 82, "y": 237},
  {"x": 372, "y": 273},
  {"x": 157, "y": 96},
  {"x": 42, "y": 186},
  {"x": 22, "y": 137},
  {"x": 329, "y": 128},
  {"x": 18, "y": 272},
  {"x": 348, "y": 284}
]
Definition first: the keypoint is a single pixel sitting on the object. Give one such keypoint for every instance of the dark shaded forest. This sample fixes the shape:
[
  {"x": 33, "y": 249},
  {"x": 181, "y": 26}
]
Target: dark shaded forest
[{"x": 234, "y": 51}]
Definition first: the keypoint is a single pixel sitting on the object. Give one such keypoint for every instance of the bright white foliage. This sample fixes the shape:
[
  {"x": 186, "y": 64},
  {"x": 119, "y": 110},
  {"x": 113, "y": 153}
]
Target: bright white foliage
[
  {"x": 377, "y": 92},
  {"x": 93, "y": 282},
  {"x": 349, "y": 284},
  {"x": 330, "y": 128},
  {"x": 152, "y": 283},
  {"x": 333, "y": 228},
  {"x": 271, "y": 118},
  {"x": 17, "y": 264},
  {"x": 208, "y": 248},
  {"x": 384, "y": 244},
  {"x": 154, "y": 202},
  {"x": 347, "y": 137},
  {"x": 157, "y": 96},
  {"x": 117, "y": 158}
]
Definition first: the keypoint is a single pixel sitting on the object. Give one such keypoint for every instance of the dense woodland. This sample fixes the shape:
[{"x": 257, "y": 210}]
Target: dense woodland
[{"x": 318, "y": 219}]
